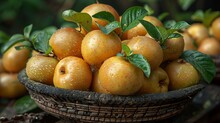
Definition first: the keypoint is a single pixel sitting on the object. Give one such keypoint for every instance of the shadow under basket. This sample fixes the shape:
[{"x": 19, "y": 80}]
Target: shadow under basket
[{"x": 85, "y": 106}]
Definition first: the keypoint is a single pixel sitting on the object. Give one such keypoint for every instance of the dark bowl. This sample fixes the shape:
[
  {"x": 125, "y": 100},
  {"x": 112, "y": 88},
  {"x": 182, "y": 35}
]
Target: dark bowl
[
  {"x": 85, "y": 106},
  {"x": 216, "y": 60}
]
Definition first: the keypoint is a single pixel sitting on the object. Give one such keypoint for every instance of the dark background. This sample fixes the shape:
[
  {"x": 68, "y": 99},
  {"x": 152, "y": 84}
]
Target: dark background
[{"x": 16, "y": 14}]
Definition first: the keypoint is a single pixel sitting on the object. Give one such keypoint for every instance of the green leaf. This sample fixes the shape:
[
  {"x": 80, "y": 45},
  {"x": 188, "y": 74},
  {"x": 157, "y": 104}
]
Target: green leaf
[
  {"x": 83, "y": 19},
  {"x": 163, "y": 33},
  {"x": 24, "y": 104},
  {"x": 142, "y": 63},
  {"x": 170, "y": 23},
  {"x": 130, "y": 18},
  {"x": 162, "y": 16},
  {"x": 105, "y": 16},
  {"x": 209, "y": 17},
  {"x": 174, "y": 35},
  {"x": 202, "y": 62},
  {"x": 149, "y": 9},
  {"x": 109, "y": 27},
  {"x": 126, "y": 50},
  {"x": 185, "y": 4},
  {"x": 24, "y": 45},
  {"x": 13, "y": 40},
  {"x": 180, "y": 25},
  {"x": 198, "y": 16},
  {"x": 41, "y": 42},
  {"x": 152, "y": 30},
  {"x": 27, "y": 31}
]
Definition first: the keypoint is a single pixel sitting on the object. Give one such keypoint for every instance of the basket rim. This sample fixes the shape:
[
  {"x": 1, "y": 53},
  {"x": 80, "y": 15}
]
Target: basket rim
[{"x": 78, "y": 95}]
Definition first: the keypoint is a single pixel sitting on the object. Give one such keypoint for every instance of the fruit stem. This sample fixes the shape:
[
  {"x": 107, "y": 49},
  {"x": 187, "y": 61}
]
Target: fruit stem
[{"x": 181, "y": 61}]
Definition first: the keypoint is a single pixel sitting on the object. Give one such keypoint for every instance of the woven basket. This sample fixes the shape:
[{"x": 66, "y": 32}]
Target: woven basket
[
  {"x": 216, "y": 60},
  {"x": 84, "y": 106}
]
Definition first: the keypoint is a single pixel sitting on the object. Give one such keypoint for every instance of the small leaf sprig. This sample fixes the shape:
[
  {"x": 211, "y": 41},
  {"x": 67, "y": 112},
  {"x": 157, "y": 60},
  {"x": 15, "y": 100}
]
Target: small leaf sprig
[
  {"x": 206, "y": 17},
  {"x": 38, "y": 40},
  {"x": 136, "y": 59},
  {"x": 162, "y": 34}
]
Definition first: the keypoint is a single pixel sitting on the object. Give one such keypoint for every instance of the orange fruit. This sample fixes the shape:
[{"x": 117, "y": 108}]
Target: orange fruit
[
  {"x": 97, "y": 47},
  {"x": 66, "y": 42},
  {"x": 72, "y": 73},
  {"x": 2, "y": 69}
]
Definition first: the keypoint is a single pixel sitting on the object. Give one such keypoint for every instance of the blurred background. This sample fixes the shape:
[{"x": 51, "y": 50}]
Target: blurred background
[{"x": 16, "y": 14}]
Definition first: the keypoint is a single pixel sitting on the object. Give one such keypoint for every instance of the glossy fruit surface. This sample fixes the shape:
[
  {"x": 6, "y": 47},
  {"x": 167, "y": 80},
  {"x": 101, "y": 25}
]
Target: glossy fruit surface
[
  {"x": 158, "y": 82},
  {"x": 15, "y": 60},
  {"x": 97, "y": 47},
  {"x": 72, "y": 73},
  {"x": 149, "y": 48},
  {"x": 181, "y": 74},
  {"x": 210, "y": 46},
  {"x": 10, "y": 87},
  {"x": 215, "y": 27},
  {"x": 41, "y": 69},
  {"x": 66, "y": 42},
  {"x": 119, "y": 77}
]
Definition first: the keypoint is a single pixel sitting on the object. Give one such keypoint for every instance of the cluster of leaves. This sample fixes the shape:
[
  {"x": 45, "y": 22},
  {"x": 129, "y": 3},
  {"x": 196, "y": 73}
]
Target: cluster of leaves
[
  {"x": 206, "y": 17},
  {"x": 38, "y": 40}
]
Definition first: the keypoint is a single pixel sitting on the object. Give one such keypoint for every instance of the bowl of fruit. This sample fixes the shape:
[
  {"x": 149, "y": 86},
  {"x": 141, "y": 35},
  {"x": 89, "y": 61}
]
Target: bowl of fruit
[{"x": 104, "y": 72}]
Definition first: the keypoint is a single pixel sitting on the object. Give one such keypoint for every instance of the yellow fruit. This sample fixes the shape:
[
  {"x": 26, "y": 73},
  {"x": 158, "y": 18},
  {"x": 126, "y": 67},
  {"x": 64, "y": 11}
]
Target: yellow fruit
[
  {"x": 215, "y": 27},
  {"x": 149, "y": 48},
  {"x": 72, "y": 73},
  {"x": 10, "y": 87},
  {"x": 119, "y": 77},
  {"x": 41, "y": 69},
  {"x": 210, "y": 46},
  {"x": 173, "y": 49},
  {"x": 158, "y": 82},
  {"x": 97, "y": 47},
  {"x": 2, "y": 69},
  {"x": 181, "y": 74},
  {"x": 98, "y": 7},
  {"x": 66, "y": 42},
  {"x": 188, "y": 42},
  {"x": 198, "y": 32},
  {"x": 15, "y": 60}
]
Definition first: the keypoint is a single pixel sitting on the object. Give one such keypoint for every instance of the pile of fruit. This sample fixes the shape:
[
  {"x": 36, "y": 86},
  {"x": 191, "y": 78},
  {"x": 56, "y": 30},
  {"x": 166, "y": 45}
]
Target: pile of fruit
[{"x": 131, "y": 54}]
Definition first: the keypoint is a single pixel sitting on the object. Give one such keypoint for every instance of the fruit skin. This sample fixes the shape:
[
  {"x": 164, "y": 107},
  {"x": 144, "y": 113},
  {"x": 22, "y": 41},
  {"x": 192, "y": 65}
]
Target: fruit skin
[
  {"x": 10, "y": 87},
  {"x": 210, "y": 46},
  {"x": 215, "y": 27},
  {"x": 2, "y": 69},
  {"x": 72, "y": 73},
  {"x": 41, "y": 69},
  {"x": 173, "y": 49},
  {"x": 98, "y": 7},
  {"x": 198, "y": 32},
  {"x": 119, "y": 77},
  {"x": 15, "y": 60},
  {"x": 66, "y": 42},
  {"x": 139, "y": 30},
  {"x": 158, "y": 82},
  {"x": 96, "y": 86},
  {"x": 188, "y": 42},
  {"x": 181, "y": 74},
  {"x": 97, "y": 47},
  {"x": 149, "y": 48}
]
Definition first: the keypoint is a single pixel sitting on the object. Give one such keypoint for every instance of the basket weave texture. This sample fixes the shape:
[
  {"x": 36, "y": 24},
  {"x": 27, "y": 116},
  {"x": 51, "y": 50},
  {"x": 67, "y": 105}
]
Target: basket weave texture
[{"x": 85, "y": 106}]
